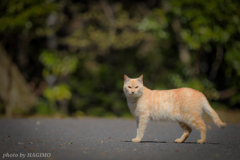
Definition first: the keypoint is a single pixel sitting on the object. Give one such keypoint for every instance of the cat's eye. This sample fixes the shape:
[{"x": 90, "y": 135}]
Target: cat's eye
[
  {"x": 129, "y": 87},
  {"x": 136, "y": 87}
]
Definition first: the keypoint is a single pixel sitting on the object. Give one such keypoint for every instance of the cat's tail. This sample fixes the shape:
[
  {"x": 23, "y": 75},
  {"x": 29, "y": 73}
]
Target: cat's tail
[{"x": 208, "y": 109}]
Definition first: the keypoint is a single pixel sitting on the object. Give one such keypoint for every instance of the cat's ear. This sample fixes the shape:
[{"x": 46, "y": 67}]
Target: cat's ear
[
  {"x": 126, "y": 78},
  {"x": 140, "y": 79}
]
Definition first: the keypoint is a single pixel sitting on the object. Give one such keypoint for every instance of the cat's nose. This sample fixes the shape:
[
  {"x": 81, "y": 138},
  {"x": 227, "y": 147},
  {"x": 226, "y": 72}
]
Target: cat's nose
[{"x": 133, "y": 90}]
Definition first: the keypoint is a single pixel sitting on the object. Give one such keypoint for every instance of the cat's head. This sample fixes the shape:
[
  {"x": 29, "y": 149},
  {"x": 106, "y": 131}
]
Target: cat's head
[{"x": 133, "y": 87}]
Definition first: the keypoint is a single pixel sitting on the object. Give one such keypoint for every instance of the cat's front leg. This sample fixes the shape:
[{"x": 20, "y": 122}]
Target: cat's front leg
[{"x": 141, "y": 126}]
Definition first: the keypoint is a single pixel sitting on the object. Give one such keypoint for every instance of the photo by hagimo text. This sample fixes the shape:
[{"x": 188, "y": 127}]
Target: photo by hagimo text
[{"x": 184, "y": 105}]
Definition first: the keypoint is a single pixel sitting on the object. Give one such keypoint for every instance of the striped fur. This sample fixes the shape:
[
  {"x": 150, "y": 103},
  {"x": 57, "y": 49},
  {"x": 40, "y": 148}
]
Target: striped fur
[{"x": 184, "y": 105}]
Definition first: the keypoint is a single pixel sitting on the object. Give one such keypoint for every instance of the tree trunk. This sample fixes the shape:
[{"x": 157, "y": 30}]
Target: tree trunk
[
  {"x": 14, "y": 91},
  {"x": 184, "y": 54}
]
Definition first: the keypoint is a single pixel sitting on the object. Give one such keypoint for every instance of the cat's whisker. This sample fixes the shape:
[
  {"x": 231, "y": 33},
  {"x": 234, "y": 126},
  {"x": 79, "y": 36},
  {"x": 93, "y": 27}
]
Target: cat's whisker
[{"x": 123, "y": 96}]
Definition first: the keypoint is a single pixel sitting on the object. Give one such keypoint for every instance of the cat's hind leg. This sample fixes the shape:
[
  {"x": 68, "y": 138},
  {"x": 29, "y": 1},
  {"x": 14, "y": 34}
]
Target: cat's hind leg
[
  {"x": 200, "y": 125},
  {"x": 186, "y": 132}
]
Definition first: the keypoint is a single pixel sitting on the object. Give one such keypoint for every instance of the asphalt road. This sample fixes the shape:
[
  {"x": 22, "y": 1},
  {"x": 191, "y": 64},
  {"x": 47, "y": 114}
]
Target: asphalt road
[{"x": 92, "y": 138}]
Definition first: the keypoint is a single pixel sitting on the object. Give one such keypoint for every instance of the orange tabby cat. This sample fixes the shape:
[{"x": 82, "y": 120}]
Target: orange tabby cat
[{"x": 184, "y": 105}]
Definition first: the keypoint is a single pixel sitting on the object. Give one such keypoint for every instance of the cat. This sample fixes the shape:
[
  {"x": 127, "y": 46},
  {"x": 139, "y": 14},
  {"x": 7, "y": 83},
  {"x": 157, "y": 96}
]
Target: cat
[{"x": 184, "y": 105}]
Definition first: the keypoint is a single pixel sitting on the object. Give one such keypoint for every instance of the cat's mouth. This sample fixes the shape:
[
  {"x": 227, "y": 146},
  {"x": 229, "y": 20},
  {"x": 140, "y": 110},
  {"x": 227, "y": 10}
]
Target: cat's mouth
[{"x": 134, "y": 94}]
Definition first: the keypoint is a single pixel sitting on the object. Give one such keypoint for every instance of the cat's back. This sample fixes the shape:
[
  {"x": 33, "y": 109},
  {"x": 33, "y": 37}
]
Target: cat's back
[
  {"x": 179, "y": 92},
  {"x": 175, "y": 95},
  {"x": 188, "y": 92}
]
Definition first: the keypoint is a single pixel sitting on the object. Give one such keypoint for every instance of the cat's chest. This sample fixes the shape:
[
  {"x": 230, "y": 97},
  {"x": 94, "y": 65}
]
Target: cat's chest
[{"x": 132, "y": 107}]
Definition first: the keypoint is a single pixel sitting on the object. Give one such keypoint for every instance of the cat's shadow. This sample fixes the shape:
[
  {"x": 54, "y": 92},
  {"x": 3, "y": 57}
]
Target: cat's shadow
[
  {"x": 148, "y": 141},
  {"x": 171, "y": 142}
]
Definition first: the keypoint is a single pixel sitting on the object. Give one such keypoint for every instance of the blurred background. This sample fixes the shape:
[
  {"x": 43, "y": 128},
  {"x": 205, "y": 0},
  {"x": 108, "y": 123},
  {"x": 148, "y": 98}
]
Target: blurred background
[{"x": 68, "y": 57}]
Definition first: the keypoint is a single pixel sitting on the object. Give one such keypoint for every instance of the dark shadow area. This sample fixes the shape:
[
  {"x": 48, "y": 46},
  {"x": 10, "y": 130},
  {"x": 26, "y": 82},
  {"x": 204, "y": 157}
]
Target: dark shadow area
[
  {"x": 174, "y": 142},
  {"x": 153, "y": 142},
  {"x": 203, "y": 144},
  {"x": 148, "y": 141}
]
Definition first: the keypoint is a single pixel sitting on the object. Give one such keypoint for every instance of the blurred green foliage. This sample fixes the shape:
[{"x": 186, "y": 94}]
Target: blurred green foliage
[
  {"x": 23, "y": 15},
  {"x": 82, "y": 49},
  {"x": 57, "y": 65}
]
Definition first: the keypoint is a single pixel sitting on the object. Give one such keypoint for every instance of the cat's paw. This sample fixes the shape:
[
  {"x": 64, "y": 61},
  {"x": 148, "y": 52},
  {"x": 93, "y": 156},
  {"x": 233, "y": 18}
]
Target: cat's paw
[
  {"x": 201, "y": 141},
  {"x": 222, "y": 125},
  {"x": 136, "y": 140},
  {"x": 178, "y": 140}
]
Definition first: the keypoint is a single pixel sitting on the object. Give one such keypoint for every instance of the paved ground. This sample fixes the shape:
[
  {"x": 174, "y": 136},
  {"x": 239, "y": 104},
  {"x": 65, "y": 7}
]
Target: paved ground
[{"x": 91, "y": 138}]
